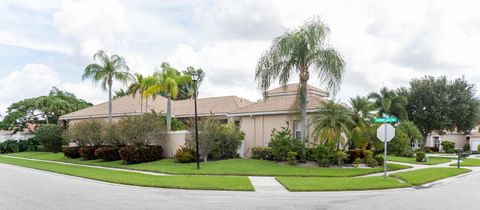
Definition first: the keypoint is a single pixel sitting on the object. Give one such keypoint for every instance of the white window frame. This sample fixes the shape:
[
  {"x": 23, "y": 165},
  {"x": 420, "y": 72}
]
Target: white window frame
[
  {"x": 435, "y": 143},
  {"x": 297, "y": 132}
]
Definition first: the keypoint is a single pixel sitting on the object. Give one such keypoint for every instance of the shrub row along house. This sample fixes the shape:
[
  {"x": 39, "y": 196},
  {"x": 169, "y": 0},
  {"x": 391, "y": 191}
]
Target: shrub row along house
[{"x": 255, "y": 119}]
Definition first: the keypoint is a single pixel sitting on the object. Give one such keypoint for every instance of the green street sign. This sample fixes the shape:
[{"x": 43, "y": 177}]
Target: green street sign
[{"x": 385, "y": 120}]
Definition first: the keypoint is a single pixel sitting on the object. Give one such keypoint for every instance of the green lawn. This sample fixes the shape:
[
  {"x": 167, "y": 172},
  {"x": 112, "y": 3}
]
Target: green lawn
[
  {"x": 131, "y": 178},
  {"x": 468, "y": 162},
  {"x": 339, "y": 183},
  {"x": 431, "y": 160},
  {"x": 245, "y": 167},
  {"x": 423, "y": 176}
]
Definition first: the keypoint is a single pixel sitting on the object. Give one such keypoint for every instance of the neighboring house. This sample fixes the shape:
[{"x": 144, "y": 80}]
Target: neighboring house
[
  {"x": 460, "y": 139},
  {"x": 255, "y": 119},
  {"x": 5, "y": 135}
]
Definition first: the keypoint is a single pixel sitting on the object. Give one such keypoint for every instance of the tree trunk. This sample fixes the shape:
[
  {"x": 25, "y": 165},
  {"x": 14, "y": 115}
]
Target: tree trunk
[
  {"x": 110, "y": 100},
  {"x": 169, "y": 113},
  {"x": 46, "y": 118},
  {"x": 146, "y": 104},
  {"x": 303, "y": 113},
  {"x": 141, "y": 104}
]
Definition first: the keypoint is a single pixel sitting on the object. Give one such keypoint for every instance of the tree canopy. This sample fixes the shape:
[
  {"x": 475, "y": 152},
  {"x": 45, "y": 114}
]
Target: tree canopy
[{"x": 42, "y": 109}]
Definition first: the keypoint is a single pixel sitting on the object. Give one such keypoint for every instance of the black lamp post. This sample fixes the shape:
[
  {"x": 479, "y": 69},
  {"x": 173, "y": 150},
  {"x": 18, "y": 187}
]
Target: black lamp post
[{"x": 195, "y": 79}]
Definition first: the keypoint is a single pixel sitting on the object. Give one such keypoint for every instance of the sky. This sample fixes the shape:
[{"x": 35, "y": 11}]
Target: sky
[{"x": 384, "y": 43}]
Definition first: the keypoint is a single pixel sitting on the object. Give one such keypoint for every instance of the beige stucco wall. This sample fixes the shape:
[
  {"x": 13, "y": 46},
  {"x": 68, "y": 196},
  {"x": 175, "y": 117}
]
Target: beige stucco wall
[
  {"x": 458, "y": 139},
  {"x": 175, "y": 139},
  {"x": 258, "y": 128}
]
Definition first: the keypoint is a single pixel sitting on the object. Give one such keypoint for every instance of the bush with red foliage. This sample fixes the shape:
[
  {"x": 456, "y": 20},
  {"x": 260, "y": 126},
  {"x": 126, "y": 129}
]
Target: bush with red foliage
[
  {"x": 354, "y": 154},
  {"x": 88, "y": 152},
  {"x": 71, "y": 152},
  {"x": 107, "y": 153},
  {"x": 132, "y": 154}
]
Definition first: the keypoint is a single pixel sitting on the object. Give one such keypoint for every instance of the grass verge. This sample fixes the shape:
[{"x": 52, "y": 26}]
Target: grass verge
[
  {"x": 241, "y": 167},
  {"x": 423, "y": 176},
  {"x": 339, "y": 184},
  {"x": 468, "y": 162},
  {"x": 431, "y": 160},
  {"x": 138, "y": 179}
]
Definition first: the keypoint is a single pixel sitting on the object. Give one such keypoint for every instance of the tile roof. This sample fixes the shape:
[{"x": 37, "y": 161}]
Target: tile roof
[
  {"x": 282, "y": 103},
  {"x": 293, "y": 88},
  {"x": 129, "y": 105}
]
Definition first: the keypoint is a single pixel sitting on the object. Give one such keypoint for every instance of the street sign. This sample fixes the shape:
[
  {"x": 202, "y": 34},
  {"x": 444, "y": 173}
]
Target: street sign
[
  {"x": 385, "y": 120},
  {"x": 385, "y": 132}
]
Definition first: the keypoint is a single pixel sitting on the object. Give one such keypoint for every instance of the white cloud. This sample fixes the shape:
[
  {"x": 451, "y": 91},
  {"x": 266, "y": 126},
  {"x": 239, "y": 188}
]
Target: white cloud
[
  {"x": 32, "y": 80},
  {"x": 8, "y": 38},
  {"x": 86, "y": 91}
]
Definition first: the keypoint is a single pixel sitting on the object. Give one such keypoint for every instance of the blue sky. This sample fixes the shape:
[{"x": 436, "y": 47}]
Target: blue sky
[{"x": 48, "y": 43}]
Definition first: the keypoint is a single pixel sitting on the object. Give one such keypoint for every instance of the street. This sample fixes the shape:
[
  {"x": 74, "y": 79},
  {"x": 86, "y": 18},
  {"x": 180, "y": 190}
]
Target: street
[{"x": 23, "y": 188}]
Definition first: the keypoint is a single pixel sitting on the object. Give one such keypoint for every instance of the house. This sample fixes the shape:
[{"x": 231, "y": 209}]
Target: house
[
  {"x": 256, "y": 119},
  {"x": 5, "y": 135},
  {"x": 460, "y": 139}
]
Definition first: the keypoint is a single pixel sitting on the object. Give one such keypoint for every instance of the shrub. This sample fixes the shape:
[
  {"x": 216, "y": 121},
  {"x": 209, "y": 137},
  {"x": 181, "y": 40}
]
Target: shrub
[
  {"x": 9, "y": 146},
  {"x": 369, "y": 160},
  {"x": 466, "y": 147},
  {"x": 325, "y": 155},
  {"x": 107, "y": 153},
  {"x": 354, "y": 154},
  {"x": 262, "y": 153},
  {"x": 71, "y": 152},
  {"x": 432, "y": 149},
  {"x": 428, "y": 150},
  {"x": 185, "y": 155},
  {"x": 379, "y": 159},
  {"x": 357, "y": 162},
  {"x": 400, "y": 144},
  {"x": 50, "y": 137},
  {"x": 478, "y": 148},
  {"x": 310, "y": 154},
  {"x": 409, "y": 153},
  {"x": 110, "y": 135},
  {"x": 141, "y": 130},
  {"x": 132, "y": 154},
  {"x": 340, "y": 157},
  {"x": 88, "y": 152},
  {"x": 448, "y": 146},
  {"x": 283, "y": 141},
  {"x": 32, "y": 144},
  {"x": 86, "y": 133},
  {"x": 420, "y": 156},
  {"x": 216, "y": 140},
  {"x": 226, "y": 146},
  {"x": 292, "y": 158}
]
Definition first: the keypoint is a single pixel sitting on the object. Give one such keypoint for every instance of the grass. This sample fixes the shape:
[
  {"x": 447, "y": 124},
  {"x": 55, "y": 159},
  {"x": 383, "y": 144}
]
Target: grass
[
  {"x": 423, "y": 176},
  {"x": 468, "y": 162},
  {"x": 138, "y": 179},
  {"x": 431, "y": 160},
  {"x": 339, "y": 183},
  {"x": 242, "y": 167}
]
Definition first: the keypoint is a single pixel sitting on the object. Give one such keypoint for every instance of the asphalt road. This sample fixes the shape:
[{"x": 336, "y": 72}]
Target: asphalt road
[{"x": 23, "y": 188}]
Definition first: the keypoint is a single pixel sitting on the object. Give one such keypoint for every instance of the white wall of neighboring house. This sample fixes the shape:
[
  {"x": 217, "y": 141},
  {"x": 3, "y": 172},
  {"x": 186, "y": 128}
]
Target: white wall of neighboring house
[
  {"x": 4, "y": 137},
  {"x": 22, "y": 136}
]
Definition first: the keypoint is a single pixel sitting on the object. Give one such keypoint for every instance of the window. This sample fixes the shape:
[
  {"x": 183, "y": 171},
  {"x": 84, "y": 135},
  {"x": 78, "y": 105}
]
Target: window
[
  {"x": 436, "y": 141},
  {"x": 297, "y": 131}
]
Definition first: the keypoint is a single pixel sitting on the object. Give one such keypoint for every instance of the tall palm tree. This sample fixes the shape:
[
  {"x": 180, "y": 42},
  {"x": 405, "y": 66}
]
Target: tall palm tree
[
  {"x": 166, "y": 83},
  {"x": 361, "y": 109},
  {"x": 330, "y": 122},
  {"x": 388, "y": 102},
  {"x": 105, "y": 70},
  {"x": 186, "y": 90},
  {"x": 137, "y": 87},
  {"x": 297, "y": 52}
]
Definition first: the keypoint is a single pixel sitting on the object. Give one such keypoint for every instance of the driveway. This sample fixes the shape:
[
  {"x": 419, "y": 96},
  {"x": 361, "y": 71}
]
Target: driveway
[{"x": 23, "y": 188}]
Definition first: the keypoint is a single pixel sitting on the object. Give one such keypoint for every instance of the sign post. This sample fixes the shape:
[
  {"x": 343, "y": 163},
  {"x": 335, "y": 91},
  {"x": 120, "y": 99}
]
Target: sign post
[{"x": 385, "y": 133}]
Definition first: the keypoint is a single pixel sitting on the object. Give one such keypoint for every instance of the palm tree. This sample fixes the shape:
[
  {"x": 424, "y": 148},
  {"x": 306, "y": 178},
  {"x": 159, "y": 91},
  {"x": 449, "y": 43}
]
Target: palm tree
[
  {"x": 330, "y": 122},
  {"x": 186, "y": 90},
  {"x": 137, "y": 87},
  {"x": 120, "y": 93},
  {"x": 361, "y": 109},
  {"x": 388, "y": 102},
  {"x": 166, "y": 83},
  {"x": 105, "y": 70},
  {"x": 298, "y": 52}
]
